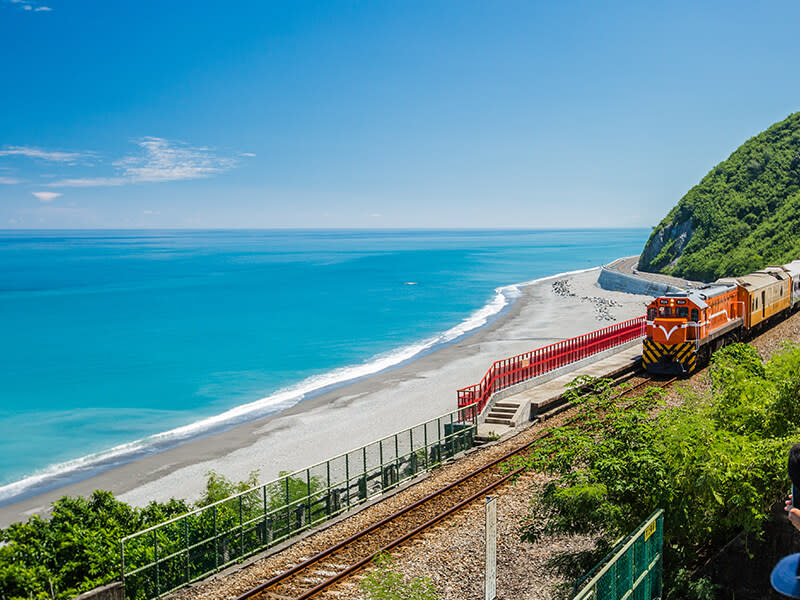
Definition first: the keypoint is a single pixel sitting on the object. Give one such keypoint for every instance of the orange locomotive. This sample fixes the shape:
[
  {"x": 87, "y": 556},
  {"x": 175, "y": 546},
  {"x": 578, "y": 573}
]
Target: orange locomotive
[{"x": 684, "y": 328}]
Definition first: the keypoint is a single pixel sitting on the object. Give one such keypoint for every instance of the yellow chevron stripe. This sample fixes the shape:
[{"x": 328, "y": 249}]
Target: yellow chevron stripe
[
  {"x": 648, "y": 358},
  {"x": 655, "y": 348},
  {"x": 686, "y": 351},
  {"x": 652, "y": 352}
]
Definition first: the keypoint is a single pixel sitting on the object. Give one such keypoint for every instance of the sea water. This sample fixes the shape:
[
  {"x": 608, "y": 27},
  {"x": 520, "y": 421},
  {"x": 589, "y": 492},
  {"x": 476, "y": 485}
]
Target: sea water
[{"x": 117, "y": 344}]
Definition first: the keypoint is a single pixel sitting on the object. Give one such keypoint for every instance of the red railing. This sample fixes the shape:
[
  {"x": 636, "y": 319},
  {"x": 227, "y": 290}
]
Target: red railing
[{"x": 510, "y": 371}]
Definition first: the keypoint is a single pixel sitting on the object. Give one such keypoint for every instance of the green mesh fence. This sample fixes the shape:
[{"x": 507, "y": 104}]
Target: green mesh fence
[
  {"x": 187, "y": 548},
  {"x": 632, "y": 570}
]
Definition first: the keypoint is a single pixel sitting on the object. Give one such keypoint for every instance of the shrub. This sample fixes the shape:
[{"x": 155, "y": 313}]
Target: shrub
[{"x": 715, "y": 464}]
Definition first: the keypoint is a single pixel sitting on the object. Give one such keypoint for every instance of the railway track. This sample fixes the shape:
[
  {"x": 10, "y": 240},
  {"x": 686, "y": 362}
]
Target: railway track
[{"x": 316, "y": 574}]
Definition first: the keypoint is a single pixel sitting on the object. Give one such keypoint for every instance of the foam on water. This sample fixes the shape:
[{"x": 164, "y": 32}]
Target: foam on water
[{"x": 82, "y": 468}]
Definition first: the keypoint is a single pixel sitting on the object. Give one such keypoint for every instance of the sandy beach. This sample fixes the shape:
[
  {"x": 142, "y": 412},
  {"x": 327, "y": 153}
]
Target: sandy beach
[{"x": 358, "y": 413}]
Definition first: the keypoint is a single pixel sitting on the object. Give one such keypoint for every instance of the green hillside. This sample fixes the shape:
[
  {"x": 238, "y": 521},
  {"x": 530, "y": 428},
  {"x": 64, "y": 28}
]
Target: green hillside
[{"x": 742, "y": 216}]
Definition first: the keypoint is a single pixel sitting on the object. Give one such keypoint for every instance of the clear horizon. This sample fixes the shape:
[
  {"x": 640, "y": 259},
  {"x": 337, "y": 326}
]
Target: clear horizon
[
  {"x": 403, "y": 115},
  {"x": 373, "y": 228}
]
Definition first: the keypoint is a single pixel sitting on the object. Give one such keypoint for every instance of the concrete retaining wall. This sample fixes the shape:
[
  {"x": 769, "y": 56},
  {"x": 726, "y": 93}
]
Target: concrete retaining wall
[
  {"x": 615, "y": 281},
  {"x": 112, "y": 591}
]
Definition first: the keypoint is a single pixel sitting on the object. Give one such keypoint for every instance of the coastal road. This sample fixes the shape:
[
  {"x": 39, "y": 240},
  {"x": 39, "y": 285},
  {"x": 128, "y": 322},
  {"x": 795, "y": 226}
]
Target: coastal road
[{"x": 629, "y": 266}]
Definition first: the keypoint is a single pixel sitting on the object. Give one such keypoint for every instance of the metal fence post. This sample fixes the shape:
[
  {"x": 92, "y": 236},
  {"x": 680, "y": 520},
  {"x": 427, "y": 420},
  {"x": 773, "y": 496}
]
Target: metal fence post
[
  {"x": 364, "y": 455},
  {"x": 347, "y": 476},
  {"x": 287, "y": 510},
  {"x": 241, "y": 528},
  {"x": 380, "y": 453},
  {"x": 216, "y": 540},
  {"x": 264, "y": 494},
  {"x": 155, "y": 549},
  {"x": 308, "y": 494},
  {"x": 122, "y": 561},
  {"x": 412, "y": 455},
  {"x": 186, "y": 538}
]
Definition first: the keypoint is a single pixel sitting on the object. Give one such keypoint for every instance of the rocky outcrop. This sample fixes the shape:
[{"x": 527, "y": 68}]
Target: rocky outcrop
[{"x": 665, "y": 246}]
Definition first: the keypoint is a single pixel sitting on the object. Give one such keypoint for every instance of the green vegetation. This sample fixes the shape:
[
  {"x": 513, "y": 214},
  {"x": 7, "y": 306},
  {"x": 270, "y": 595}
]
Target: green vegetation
[
  {"x": 219, "y": 487},
  {"x": 77, "y": 548},
  {"x": 385, "y": 584},
  {"x": 742, "y": 216},
  {"x": 715, "y": 464}
]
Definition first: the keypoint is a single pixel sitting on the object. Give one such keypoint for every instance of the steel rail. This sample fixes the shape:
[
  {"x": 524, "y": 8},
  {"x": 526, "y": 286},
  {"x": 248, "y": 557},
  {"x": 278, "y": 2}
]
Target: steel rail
[
  {"x": 281, "y": 577},
  {"x": 408, "y": 535},
  {"x": 346, "y": 542}
]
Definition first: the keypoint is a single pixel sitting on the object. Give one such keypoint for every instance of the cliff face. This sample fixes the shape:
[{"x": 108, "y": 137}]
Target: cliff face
[
  {"x": 743, "y": 215},
  {"x": 666, "y": 244}
]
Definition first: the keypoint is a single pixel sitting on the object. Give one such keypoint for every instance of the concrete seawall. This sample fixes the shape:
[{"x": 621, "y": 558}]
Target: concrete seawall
[{"x": 615, "y": 281}]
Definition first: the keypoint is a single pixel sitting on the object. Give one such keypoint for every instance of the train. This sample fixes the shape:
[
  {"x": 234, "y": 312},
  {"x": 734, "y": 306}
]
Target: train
[{"x": 683, "y": 329}]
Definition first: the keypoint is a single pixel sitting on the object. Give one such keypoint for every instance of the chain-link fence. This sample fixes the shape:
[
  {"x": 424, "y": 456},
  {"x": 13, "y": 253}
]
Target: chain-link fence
[
  {"x": 164, "y": 557},
  {"x": 632, "y": 570}
]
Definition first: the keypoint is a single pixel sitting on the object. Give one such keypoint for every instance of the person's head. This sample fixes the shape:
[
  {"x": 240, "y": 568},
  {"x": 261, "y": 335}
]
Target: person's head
[{"x": 794, "y": 465}]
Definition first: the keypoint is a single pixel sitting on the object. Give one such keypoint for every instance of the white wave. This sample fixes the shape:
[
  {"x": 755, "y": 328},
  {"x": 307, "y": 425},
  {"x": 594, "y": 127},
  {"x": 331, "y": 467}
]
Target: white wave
[{"x": 78, "y": 469}]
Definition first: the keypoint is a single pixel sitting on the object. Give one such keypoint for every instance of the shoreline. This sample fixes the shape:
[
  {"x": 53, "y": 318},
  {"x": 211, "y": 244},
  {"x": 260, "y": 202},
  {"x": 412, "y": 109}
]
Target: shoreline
[{"x": 361, "y": 410}]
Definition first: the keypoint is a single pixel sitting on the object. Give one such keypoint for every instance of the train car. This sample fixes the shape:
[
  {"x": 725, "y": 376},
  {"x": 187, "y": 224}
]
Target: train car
[
  {"x": 684, "y": 328},
  {"x": 793, "y": 270},
  {"x": 763, "y": 294}
]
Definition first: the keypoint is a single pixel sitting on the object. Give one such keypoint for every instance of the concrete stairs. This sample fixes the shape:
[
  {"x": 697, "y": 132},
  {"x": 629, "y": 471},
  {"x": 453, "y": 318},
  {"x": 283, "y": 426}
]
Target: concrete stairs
[{"x": 502, "y": 413}]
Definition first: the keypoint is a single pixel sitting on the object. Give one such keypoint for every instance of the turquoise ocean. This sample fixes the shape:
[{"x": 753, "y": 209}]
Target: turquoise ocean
[{"x": 118, "y": 344}]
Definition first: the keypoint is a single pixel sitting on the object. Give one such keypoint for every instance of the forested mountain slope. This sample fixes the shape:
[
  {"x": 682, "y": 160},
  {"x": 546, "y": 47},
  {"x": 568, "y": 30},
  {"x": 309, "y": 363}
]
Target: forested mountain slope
[{"x": 742, "y": 216}]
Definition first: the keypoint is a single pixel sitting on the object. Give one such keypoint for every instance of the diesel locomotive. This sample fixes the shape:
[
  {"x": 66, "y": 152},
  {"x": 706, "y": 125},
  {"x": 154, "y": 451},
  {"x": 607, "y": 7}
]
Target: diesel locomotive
[{"x": 683, "y": 329}]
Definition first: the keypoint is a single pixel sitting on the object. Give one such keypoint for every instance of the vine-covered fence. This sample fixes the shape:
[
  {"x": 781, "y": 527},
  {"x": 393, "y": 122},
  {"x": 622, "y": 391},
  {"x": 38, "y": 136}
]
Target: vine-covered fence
[
  {"x": 511, "y": 371},
  {"x": 191, "y": 546}
]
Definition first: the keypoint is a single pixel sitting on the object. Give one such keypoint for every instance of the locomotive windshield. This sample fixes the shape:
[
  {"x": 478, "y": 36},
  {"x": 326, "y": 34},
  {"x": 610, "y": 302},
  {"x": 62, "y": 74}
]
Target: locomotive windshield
[{"x": 681, "y": 312}]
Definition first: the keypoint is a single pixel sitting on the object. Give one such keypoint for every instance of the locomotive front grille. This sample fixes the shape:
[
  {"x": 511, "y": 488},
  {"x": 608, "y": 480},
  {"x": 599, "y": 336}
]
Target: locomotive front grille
[{"x": 669, "y": 358}]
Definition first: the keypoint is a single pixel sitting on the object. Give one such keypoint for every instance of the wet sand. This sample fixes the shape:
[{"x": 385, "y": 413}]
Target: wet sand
[{"x": 356, "y": 414}]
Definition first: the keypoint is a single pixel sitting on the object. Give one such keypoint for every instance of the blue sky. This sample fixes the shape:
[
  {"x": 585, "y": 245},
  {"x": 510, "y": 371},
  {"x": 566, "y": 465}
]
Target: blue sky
[{"x": 378, "y": 114}]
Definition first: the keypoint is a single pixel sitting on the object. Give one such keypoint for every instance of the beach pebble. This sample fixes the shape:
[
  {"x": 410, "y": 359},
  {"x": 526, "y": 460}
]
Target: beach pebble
[{"x": 602, "y": 306}]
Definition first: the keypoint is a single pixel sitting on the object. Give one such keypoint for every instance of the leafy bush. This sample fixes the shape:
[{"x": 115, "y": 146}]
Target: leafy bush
[
  {"x": 76, "y": 549},
  {"x": 219, "y": 487},
  {"x": 715, "y": 464}
]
